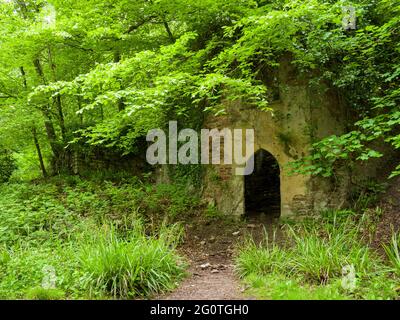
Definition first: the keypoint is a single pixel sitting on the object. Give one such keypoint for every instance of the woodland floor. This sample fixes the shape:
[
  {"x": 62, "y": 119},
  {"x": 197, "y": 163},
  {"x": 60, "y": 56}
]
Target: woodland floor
[
  {"x": 390, "y": 220},
  {"x": 209, "y": 249}
]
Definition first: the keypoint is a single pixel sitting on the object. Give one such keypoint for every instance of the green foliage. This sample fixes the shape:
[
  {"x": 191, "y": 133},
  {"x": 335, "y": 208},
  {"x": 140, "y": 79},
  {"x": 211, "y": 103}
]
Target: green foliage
[
  {"x": 311, "y": 264},
  {"x": 332, "y": 153},
  {"x": 367, "y": 77},
  {"x": 108, "y": 71},
  {"x": 173, "y": 200},
  {"x": 278, "y": 287},
  {"x": 91, "y": 234},
  {"x": 263, "y": 261},
  {"x": 7, "y": 166},
  {"x": 23, "y": 270},
  {"x": 322, "y": 258},
  {"x": 105, "y": 72},
  {"x": 212, "y": 212},
  {"x": 136, "y": 266},
  {"x": 366, "y": 194},
  {"x": 393, "y": 252},
  {"x": 40, "y": 293}
]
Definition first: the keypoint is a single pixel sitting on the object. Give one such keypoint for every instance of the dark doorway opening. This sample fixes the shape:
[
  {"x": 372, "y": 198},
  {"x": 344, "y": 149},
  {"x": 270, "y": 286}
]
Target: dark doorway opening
[{"x": 262, "y": 187}]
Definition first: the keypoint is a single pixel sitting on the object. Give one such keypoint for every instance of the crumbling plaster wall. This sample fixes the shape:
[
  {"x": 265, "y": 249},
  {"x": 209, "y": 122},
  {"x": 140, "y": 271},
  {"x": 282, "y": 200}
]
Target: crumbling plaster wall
[{"x": 302, "y": 114}]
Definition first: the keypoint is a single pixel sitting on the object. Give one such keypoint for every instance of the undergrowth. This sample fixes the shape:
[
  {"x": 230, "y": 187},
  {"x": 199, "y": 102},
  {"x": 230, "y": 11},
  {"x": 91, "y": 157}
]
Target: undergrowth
[
  {"x": 324, "y": 258},
  {"x": 69, "y": 238}
]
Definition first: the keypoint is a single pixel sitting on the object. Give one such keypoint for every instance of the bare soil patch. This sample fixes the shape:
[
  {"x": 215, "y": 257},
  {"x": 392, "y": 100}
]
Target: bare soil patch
[{"x": 209, "y": 247}]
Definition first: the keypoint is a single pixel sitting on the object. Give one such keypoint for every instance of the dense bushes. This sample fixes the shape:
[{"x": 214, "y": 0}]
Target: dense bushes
[{"x": 91, "y": 236}]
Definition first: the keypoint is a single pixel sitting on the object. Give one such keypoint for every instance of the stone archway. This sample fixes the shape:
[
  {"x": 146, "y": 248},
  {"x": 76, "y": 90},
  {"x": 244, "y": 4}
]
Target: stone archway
[
  {"x": 262, "y": 192},
  {"x": 301, "y": 115}
]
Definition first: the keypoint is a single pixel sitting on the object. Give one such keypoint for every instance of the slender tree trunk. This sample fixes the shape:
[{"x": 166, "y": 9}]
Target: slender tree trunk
[
  {"x": 34, "y": 133},
  {"x": 61, "y": 117},
  {"x": 121, "y": 103},
  {"x": 48, "y": 123},
  {"x": 50, "y": 131},
  {"x": 57, "y": 99},
  {"x": 25, "y": 83},
  {"x": 39, "y": 70},
  {"x": 79, "y": 108},
  {"x": 101, "y": 113},
  {"x": 75, "y": 161},
  {"x": 167, "y": 28},
  {"x": 39, "y": 152},
  {"x": 117, "y": 56}
]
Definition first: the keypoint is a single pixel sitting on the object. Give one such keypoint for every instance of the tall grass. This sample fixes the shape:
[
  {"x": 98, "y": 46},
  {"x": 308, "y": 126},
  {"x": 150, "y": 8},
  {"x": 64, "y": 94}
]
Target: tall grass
[
  {"x": 318, "y": 258},
  {"x": 93, "y": 235},
  {"x": 393, "y": 252},
  {"x": 135, "y": 266},
  {"x": 263, "y": 260}
]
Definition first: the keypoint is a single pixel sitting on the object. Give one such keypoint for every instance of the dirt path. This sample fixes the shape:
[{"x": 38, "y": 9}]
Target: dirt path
[
  {"x": 213, "y": 281},
  {"x": 209, "y": 248}
]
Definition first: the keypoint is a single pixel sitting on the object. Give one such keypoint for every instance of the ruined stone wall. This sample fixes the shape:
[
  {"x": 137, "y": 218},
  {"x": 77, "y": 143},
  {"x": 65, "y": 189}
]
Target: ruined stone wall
[{"x": 301, "y": 114}]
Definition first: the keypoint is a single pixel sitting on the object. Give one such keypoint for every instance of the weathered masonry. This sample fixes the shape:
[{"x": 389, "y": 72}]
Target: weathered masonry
[{"x": 302, "y": 113}]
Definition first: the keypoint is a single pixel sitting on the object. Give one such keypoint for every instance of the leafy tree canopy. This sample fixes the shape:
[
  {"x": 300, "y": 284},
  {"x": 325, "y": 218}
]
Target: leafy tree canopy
[{"x": 100, "y": 73}]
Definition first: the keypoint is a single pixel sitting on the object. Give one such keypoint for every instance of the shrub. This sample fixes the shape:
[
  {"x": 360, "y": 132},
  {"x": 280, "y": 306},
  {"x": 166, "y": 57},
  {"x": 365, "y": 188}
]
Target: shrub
[
  {"x": 172, "y": 200},
  {"x": 125, "y": 268},
  {"x": 24, "y": 269},
  {"x": 280, "y": 287}
]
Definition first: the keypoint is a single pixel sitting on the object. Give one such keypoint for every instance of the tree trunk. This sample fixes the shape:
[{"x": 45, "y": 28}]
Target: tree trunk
[
  {"x": 39, "y": 152},
  {"x": 121, "y": 103},
  {"x": 61, "y": 117},
  {"x": 25, "y": 83},
  {"x": 75, "y": 162},
  {"x": 39, "y": 70},
  {"x": 48, "y": 123},
  {"x": 167, "y": 28},
  {"x": 57, "y": 99},
  {"x": 79, "y": 108}
]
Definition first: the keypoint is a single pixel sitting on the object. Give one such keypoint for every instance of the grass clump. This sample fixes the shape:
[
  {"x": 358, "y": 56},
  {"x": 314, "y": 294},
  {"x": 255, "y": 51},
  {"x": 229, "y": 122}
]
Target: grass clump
[
  {"x": 276, "y": 286},
  {"x": 323, "y": 259},
  {"x": 93, "y": 236},
  {"x": 40, "y": 293},
  {"x": 257, "y": 259},
  {"x": 393, "y": 253},
  {"x": 135, "y": 266},
  {"x": 321, "y": 256}
]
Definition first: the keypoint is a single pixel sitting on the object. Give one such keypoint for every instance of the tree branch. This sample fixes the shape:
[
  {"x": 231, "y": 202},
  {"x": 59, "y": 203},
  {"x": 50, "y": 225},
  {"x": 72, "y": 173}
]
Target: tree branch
[{"x": 139, "y": 24}]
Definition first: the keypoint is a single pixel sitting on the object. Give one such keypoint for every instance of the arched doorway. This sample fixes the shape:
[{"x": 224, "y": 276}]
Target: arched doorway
[{"x": 262, "y": 187}]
